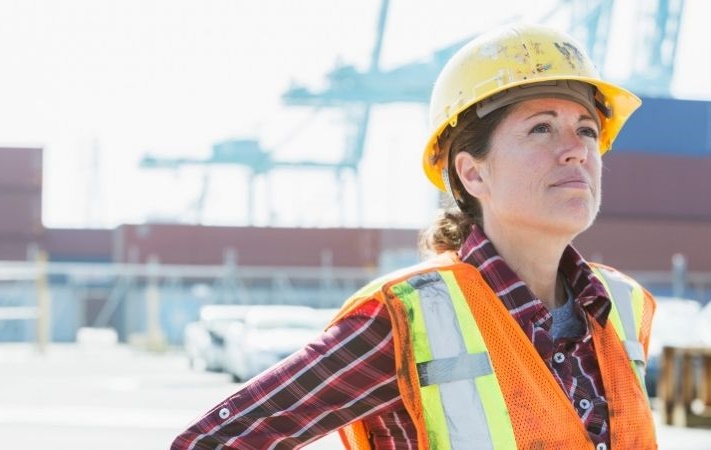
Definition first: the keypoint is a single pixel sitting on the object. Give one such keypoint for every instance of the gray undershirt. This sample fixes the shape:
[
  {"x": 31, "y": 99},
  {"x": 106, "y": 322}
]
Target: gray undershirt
[{"x": 566, "y": 323}]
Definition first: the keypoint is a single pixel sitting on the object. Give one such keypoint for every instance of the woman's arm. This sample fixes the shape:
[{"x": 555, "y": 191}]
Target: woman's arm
[{"x": 345, "y": 374}]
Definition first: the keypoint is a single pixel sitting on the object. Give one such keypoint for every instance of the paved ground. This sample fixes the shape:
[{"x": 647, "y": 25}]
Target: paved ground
[{"x": 112, "y": 398}]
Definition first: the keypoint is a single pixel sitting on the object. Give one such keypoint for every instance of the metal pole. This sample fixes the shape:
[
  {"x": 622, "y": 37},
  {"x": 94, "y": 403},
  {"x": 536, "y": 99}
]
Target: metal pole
[
  {"x": 327, "y": 282},
  {"x": 44, "y": 303},
  {"x": 678, "y": 275},
  {"x": 156, "y": 338}
]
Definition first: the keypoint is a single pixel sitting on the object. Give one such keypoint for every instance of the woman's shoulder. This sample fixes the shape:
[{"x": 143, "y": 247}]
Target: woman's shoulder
[
  {"x": 372, "y": 290},
  {"x": 433, "y": 263}
]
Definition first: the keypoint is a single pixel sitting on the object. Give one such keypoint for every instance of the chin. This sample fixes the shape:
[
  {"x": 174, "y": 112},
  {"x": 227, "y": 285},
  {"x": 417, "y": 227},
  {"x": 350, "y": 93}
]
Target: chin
[
  {"x": 572, "y": 223},
  {"x": 581, "y": 224},
  {"x": 580, "y": 215}
]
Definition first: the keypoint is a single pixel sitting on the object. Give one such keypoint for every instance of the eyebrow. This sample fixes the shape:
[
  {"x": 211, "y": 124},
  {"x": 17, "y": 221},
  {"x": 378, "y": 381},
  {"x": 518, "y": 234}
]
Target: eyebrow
[{"x": 555, "y": 114}]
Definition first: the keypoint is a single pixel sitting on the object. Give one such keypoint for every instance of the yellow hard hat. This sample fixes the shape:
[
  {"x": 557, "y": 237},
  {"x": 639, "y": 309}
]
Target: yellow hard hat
[{"x": 511, "y": 57}]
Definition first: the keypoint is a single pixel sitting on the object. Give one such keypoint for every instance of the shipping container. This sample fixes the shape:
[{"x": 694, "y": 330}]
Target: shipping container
[
  {"x": 253, "y": 246},
  {"x": 655, "y": 186},
  {"x": 21, "y": 211},
  {"x": 18, "y": 248},
  {"x": 668, "y": 126},
  {"x": 21, "y": 167},
  {"x": 78, "y": 245},
  {"x": 641, "y": 244}
]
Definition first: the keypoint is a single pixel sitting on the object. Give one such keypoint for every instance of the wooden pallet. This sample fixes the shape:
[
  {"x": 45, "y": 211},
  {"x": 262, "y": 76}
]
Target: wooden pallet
[{"x": 684, "y": 389}]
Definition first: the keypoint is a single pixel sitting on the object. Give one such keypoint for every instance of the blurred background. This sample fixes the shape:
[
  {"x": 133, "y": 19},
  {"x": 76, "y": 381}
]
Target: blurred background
[{"x": 186, "y": 183}]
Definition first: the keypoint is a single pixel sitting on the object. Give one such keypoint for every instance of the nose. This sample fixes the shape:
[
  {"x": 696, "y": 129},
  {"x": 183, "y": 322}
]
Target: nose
[{"x": 573, "y": 148}]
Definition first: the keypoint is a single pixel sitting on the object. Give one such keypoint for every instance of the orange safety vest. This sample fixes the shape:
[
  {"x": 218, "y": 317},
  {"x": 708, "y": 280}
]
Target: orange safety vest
[{"x": 521, "y": 406}]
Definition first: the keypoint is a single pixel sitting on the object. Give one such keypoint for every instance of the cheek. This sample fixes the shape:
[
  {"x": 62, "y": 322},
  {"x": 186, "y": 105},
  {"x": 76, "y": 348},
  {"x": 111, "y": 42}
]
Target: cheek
[
  {"x": 531, "y": 174},
  {"x": 595, "y": 170},
  {"x": 521, "y": 182}
]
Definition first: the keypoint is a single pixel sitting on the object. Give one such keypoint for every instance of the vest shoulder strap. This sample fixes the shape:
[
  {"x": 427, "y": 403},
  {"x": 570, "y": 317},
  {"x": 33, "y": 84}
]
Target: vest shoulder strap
[{"x": 628, "y": 300}]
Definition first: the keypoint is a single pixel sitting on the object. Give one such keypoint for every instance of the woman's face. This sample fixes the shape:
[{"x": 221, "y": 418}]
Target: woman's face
[{"x": 542, "y": 171}]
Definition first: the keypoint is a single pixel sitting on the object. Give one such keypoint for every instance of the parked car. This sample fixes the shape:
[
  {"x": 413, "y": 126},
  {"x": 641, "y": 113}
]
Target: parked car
[
  {"x": 704, "y": 325},
  {"x": 270, "y": 334},
  {"x": 204, "y": 339},
  {"x": 674, "y": 324}
]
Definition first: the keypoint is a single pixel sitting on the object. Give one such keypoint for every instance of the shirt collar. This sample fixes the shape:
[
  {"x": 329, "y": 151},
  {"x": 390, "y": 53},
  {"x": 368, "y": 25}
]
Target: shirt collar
[{"x": 589, "y": 293}]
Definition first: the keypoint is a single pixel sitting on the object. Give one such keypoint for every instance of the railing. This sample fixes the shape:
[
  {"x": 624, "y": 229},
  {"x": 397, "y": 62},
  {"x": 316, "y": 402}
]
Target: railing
[
  {"x": 46, "y": 301},
  {"x": 693, "y": 285},
  {"x": 153, "y": 299}
]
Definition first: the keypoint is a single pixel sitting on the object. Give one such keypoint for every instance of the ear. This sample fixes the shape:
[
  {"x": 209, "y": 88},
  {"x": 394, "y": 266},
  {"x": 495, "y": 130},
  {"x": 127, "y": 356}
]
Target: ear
[{"x": 470, "y": 172}]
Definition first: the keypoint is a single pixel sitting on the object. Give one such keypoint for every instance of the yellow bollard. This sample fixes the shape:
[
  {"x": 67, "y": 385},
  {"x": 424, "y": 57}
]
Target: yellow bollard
[{"x": 156, "y": 339}]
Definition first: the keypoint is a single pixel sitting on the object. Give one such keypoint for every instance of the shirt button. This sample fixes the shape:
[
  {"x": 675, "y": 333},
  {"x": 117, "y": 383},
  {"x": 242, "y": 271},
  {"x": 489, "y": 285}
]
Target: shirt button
[
  {"x": 559, "y": 357},
  {"x": 601, "y": 446},
  {"x": 585, "y": 404},
  {"x": 224, "y": 413}
]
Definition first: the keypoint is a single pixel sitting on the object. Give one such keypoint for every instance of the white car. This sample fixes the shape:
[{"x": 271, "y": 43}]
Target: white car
[
  {"x": 704, "y": 325},
  {"x": 204, "y": 339},
  {"x": 270, "y": 334}
]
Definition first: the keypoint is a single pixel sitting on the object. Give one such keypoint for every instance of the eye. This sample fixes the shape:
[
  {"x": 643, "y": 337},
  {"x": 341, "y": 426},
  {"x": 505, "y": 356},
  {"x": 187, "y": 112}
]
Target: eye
[
  {"x": 589, "y": 132},
  {"x": 541, "y": 128}
]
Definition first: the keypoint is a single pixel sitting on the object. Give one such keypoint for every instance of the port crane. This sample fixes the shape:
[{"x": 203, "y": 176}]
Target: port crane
[{"x": 357, "y": 91}]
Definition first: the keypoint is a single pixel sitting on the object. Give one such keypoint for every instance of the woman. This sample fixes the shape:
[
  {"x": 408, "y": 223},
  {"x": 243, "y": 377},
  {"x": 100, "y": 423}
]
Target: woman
[{"x": 507, "y": 338}]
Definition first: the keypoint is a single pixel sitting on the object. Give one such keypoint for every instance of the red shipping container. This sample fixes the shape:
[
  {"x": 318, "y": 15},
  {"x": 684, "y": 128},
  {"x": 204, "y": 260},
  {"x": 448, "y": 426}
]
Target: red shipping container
[
  {"x": 18, "y": 248},
  {"x": 21, "y": 211},
  {"x": 253, "y": 246},
  {"x": 646, "y": 185},
  {"x": 638, "y": 243},
  {"x": 21, "y": 167},
  {"x": 85, "y": 245}
]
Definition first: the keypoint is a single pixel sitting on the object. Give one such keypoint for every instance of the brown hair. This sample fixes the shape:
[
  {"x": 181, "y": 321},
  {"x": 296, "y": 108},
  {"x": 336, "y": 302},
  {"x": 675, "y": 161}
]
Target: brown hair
[{"x": 455, "y": 218}]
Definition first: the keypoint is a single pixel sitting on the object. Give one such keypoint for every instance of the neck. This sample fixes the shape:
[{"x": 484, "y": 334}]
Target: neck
[{"x": 535, "y": 258}]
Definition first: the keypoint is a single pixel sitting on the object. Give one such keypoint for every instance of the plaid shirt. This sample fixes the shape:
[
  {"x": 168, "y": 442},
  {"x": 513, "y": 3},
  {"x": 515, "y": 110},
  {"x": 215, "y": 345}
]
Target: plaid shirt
[{"x": 348, "y": 373}]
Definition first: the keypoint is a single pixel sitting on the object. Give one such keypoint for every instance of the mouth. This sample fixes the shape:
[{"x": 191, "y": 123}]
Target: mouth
[{"x": 572, "y": 183}]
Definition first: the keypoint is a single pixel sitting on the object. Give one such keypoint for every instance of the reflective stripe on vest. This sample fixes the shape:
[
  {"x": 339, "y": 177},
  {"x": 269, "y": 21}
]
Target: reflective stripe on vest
[
  {"x": 626, "y": 317},
  {"x": 457, "y": 384}
]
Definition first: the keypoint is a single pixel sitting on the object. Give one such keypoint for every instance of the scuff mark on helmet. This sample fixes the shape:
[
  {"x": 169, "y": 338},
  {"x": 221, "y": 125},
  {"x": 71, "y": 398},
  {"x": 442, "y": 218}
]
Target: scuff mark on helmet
[
  {"x": 525, "y": 49},
  {"x": 525, "y": 56},
  {"x": 543, "y": 67},
  {"x": 571, "y": 53}
]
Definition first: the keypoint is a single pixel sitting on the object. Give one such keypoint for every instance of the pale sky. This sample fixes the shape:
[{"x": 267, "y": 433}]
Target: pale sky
[{"x": 100, "y": 83}]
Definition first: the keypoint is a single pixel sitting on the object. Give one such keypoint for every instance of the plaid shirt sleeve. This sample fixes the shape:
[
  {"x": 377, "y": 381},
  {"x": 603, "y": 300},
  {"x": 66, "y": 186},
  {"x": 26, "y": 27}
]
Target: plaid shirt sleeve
[{"x": 346, "y": 374}]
